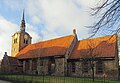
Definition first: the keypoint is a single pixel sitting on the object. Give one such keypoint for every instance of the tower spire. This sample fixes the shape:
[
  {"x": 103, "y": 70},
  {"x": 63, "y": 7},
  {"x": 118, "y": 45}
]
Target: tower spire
[{"x": 22, "y": 25}]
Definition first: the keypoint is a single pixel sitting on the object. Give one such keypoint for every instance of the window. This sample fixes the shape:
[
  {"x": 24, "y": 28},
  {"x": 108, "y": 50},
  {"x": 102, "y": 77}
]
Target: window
[
  {"x": 14, "y": 49},
  {"x": 34, "y": 65},
  {"x": 99, "y": 67},
  {"x": 85, "y": 67},
  {"x": 25, "y": 41},
  {"x": 73, "y": 67},
  {"x": 51, "y": 65},
  {"x": 15, "y": 40}
]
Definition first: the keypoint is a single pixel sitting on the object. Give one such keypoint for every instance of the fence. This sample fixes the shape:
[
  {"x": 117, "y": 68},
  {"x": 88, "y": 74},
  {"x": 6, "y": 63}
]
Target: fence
[{"x": 50, "y": 79}]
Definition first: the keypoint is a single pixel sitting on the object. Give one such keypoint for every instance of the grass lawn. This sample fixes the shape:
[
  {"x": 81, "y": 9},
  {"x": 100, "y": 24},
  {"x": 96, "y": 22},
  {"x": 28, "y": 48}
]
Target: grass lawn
[{"x": 55, "y": 79}]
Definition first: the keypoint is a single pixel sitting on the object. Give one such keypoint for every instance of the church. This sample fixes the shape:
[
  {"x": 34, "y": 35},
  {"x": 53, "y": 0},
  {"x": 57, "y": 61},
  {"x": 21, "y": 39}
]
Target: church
[{"x": 63, "y": 56}]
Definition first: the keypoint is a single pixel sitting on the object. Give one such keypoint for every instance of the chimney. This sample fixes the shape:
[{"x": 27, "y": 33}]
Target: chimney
[{"x": 74, "y": 32}]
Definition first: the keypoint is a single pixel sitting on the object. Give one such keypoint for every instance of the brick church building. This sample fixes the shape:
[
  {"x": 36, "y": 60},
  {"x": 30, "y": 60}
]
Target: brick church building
[{"x": 64, "y": 56}]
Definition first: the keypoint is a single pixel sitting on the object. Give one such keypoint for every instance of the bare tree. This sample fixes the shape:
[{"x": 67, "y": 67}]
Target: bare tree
[
  {"x": 108, "y": 17},
  {"x": 91, "y": 55}
]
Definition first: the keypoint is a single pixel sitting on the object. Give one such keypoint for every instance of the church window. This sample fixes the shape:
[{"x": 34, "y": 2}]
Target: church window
[
  {"x": 99, "y": 67},
  {"x": 85, "y": 67},
  {"x": 25, "y": 41},
  {"x": 51, "y": 65},
  {"x": 73, "y": 67},
  {"x": 14, "y": 49},
  {"x": 15, "y": 40}
]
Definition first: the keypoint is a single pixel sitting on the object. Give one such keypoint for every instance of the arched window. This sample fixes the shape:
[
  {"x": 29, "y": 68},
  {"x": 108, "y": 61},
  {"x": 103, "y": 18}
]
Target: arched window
[
  {"x": 15, "y": 40},
  {"x": 51, "y": 65},
  {"x": 14, "y": 49},
  {"x": 25, "y": 41}
]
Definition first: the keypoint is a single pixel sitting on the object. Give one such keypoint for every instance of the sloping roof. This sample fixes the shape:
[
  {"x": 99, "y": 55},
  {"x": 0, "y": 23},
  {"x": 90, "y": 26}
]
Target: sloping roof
[
  {"x": 19, "y": 32},
  {"x": 98, "y": 47},
  {"x": 54, "y": 47}
]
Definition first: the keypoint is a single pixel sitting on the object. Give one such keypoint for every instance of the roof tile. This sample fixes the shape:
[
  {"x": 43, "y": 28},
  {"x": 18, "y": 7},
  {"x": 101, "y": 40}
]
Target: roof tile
[
  {"x": 54, "y": 47},
  {"x": 95, "y": 47}
]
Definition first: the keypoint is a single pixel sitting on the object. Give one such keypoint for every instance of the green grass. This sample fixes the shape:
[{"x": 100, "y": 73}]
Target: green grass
[{"x": 55, "y": 79}]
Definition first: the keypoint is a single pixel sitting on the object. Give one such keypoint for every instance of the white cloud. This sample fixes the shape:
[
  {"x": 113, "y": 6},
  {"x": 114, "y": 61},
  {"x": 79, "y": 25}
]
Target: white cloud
[
  {"x": 35, "y": 20},
  {"x": 6, "y": 31},
  {"x": 31, "y": 30},
  {"x": 87, "y": 3},
  {"x": 61, "y": 16},
  {"x": 58, "y": 16}
]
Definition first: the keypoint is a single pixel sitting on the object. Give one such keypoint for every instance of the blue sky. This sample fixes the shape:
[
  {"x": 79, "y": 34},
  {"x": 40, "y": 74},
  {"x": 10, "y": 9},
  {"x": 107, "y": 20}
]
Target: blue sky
[{"x": 45, "y": 19}]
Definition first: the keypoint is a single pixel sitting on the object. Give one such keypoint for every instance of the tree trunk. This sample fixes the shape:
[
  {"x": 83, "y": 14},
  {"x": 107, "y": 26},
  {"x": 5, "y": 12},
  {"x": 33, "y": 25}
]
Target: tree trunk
[{"x": 93, "y": 72}]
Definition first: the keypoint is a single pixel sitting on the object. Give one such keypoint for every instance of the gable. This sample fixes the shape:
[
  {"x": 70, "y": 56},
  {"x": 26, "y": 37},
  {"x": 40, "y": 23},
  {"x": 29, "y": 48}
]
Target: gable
[{"x": 8, "y": 60}]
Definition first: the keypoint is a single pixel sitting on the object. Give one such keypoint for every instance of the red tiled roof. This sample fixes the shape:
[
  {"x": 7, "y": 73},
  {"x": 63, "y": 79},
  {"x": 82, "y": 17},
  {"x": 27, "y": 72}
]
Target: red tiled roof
[
  {"x": 52, "y": 47},
  {"x": 98, "y": 47}
]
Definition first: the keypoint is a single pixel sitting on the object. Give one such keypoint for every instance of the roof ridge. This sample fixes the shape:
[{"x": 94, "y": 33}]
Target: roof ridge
[{"x": 97, "y": 37}]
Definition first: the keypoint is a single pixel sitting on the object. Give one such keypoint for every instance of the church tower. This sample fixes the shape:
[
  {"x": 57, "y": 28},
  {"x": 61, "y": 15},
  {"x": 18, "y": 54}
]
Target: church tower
[{"x": 20, "y": 39}]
